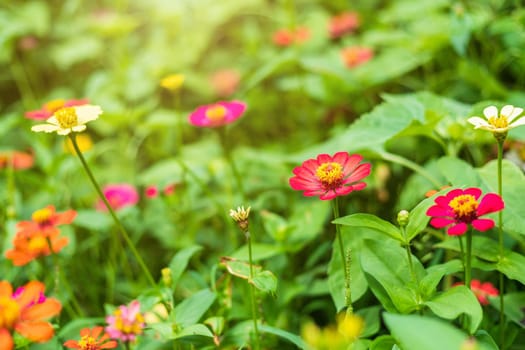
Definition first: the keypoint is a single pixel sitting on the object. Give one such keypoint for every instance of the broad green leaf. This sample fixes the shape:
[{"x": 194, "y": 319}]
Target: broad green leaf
[
  {"x": 482, "y": 247},
  {"x": 372, "y": 320},
  {"x": 428, "y": 284},
  {"x": 292, "y": 338},
  {"x": 388, "y": 266},
  {"x": 93, "y": 220},
  {"x": 190, "y": 310},
  {"x": 372, "y": 222},
  {"x": 415, "y": 332},
  {"x": 383, "y": 342},
  {"x": 456, "y": 301},
  {"x": 459, "y": 173},
  {"x": 278, "y": 62},
  {"x": 514, "y": 310},
  {"x": 513, "y": 188},
  {"x": 194, "y": 334},
  {"x": 180, "y": 261},
  {"x": 418, "y": 218},
  {"x": 263, "y": 280},
  {"x": 513, "y": 266}
]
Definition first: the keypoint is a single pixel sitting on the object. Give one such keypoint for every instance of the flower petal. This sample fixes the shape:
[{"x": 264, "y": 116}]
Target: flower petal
[
  {"x": 438, "y": 210},
  {"x": 6, "y": 340},
  {"x": 362, "y": 171},
  {"x": 440, "y": 222},
  {"x": 32, "y": 291},
  {"x": 49, "y": 308},
  {"x": 458, "y": 229},
  {"x": 473, "y": 191},
  {"x": 490, "y": 203},
  {"x": 518, "y": 122},
  {"x": 39, "y": 331},
  {"x": 87, "y": 113},
  {"x": 483, "y": 224},
  {"x": 45, "y": 128},
  {"x": 6, "y": 290},
  {"x": 477, "y": 121},
  {"x": 490, "y": 112}
]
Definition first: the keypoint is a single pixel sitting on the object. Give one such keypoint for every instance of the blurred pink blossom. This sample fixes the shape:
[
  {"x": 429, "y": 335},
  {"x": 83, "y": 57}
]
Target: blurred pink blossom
[
  {"x": 118, "y": 196},
  {"x": 49, "y": 108},
  {"x": 217, "y": 114},
  {"x": 126, "y": 322}
]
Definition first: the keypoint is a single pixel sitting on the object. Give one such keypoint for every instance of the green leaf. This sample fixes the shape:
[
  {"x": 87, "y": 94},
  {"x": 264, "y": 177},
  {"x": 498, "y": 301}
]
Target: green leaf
[
  {"x": 428, "y": 284},
  {"x": 459, "y": 173},
  {"x": 418, "y": 218},
  {"x": 387, "y": 265},
  {"x": 180, "y": 261},
  {"x": 514, "y": 310},
  {"x": 261, "y": 251},
  {"x": 93, "y": 220},
  {"x": 292, "y": 338},
  {"x": 194, "y": 334},
  {"x": 265, "y": 281},
  {"x": 383, "y": 342},
  {"x": 456, "y": 301},
  {"x": 262, "y": 279},
  {"x": 372, "y": 222},
  {"x": 190, "y": 310},
  {"x": 417, "y": 332},
  {"x": 372, "y": 320}
]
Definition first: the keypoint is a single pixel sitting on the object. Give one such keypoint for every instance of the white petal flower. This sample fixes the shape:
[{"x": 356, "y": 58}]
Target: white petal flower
[
  {"x": 508, "y": 118},
  {"x": 69, "y": 119}
]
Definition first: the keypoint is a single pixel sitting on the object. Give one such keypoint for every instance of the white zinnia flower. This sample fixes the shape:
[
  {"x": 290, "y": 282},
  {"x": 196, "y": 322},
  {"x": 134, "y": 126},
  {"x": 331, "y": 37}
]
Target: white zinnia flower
[
  {"x": 498, "y": 123},
  {"x": 69, "y": 119}
]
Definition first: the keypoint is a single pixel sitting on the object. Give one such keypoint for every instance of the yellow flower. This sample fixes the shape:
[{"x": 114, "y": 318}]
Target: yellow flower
[
  {"x": 83, "y": 141},
  {"x": 69, "y": 119},
  {"x": 172, "y": 82},
  {"x": 498, "y": 123}
]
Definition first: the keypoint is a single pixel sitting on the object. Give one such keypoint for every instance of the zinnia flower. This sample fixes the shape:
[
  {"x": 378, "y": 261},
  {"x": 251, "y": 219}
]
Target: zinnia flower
[
  {"x": 355, "y": 55},
  {"x": 342, "y": 24},
  {"x": 225, "y": 82},
  {"x": 126, "y": 322},
  {"x": 334, "y": 337},
  {"x": 91, "y": 339},
  {"x": 51, "y": 107},
  {"x": 460, "y": 208},
  {"x": 19, "y": 160},
  {"x": 287, "y": 37},
  {"x": 24, "y": 312},
  {"x": 482, "y": 290},
  {"x": 151, "y": 191},
  {"x": 30, "y": 245},
  {"x": 217, "y": 114},
  {"x": 69, "y": 119},
  {"x": 329, "y": 177},
  {"x": 119, "y": 196},
  {"x": 172, "y": 82},
  {"x": 498, "y": 123}
]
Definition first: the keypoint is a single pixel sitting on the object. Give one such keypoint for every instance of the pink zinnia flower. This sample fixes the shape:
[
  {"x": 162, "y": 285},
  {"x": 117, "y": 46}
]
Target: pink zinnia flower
[
  {"x": 482, "y": 290},
  {"x": 151, "y": 191},
  {"x": 119, "y": 196},
  {"x": 329, "y": 177},
  {"x": 217, "y": 114},
  {"x": 342, "y": 24},
  {"x": 355, "y": 55},
  {"x": 51, "y": 107},
  {"x": 460, "y": 208},
  {"x": 126, "y": 322}
]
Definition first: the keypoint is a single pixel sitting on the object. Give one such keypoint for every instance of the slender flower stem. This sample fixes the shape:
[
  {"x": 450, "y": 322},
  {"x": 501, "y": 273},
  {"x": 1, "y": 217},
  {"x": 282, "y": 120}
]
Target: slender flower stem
[
  {"x": 346, "y": 270},
  {"x": 468, "y": 259},
  {"x": 121, "y": 228},
  {"x": 252, "y": 292},
  {"x": 463, "y": 260},
  {"x": 229, "y": 158},
  {"x": 409, "y": 256},
  {"x": 500, "y": 142}
]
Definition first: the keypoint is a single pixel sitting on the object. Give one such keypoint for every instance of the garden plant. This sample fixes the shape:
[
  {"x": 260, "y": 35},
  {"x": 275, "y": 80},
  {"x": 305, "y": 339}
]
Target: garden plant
[{"x": 262, "y": 174}]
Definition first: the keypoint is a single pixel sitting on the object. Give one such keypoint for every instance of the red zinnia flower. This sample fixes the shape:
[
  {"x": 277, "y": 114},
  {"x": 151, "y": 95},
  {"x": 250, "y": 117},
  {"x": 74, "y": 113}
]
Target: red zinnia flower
[
  {"x": 217, "y": 114},
  {"x": 355, "y": 55},
  {"x": 482, "y": 290},
  {"x": 90, "y": 340},
  {"x": 19, "y": 160},
  {"x": 329, "y": 177},
  {"x": 24, "y": 311},
  {"x": 343, "y": 23},
  {"x": 287, "y": 37},
  {"x": 51, "y": 107},
  {"x": 460, "y": 208}
]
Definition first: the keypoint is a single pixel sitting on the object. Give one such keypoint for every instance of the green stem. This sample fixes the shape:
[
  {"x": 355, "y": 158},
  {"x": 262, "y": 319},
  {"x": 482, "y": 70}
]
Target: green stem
[
  {"x": 229, "y": 158},
  {"x": 409, "y": 256},
  {"x": 462, "y": 249},
  {"x": 500, "y": 142},
  {"x": 394, "y": 158},
  {"x": 252, "y": 292},
  {"x": 346, "y": 270},
  {"x": 468, "y": 260},
  {"x": 121, "y": 228}
]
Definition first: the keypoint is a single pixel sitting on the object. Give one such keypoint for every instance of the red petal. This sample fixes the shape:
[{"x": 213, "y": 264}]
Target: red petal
[
  {"x": 441, "y": 222},
  {"x": 302, "y": 184},
  {"x": 360, "y": 173},
  {"x": 483, "y": 224},
  {"x": 437, "y": 210},
  {"x": 474, "y": 191},
  {"x": 458, "y": 229},
  {"x": 490, "y": 203},
  {"x": 73, "y": 344},
  {"x": 324, "y": 158}
]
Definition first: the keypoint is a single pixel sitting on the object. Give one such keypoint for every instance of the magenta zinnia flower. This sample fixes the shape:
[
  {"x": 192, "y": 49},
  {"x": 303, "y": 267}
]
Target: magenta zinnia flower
[
  {"x": 217, "y": 114},
  {"x": 329, "y": 177},
  {"x": 119, "y": 196},
  {"x": 126, "y": 322},
  {"x": 460, "y": 208}
]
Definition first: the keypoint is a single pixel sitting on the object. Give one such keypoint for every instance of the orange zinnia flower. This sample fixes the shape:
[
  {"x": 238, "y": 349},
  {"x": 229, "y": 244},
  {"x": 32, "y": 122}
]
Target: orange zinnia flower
[
  {"x": 24, "y": 312},
  {"x": 90, "y": 340},
  {"x": 19, "y": 160},
  {"x": 40, "y": 236}
]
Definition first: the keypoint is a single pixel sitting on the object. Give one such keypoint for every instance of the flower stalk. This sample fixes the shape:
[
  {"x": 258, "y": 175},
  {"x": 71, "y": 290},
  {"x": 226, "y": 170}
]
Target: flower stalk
[
  {"x": 346, "y": 267},
  {"x": 500, "y": 141},
  {"x": 120, "y": 227}
]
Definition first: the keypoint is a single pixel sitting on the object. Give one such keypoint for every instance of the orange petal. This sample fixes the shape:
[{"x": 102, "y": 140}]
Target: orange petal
[
  {"x": 6, "y": 341},
  {"x": 65, "y": 218},
  {"x": 109, "y": 345},
  {"x": 35, "y": 331},
  {"x": 31, "y": 293},
  {"x": 49, "y": 308},
  {"x": 6, "y": 290},
  {"x": 72, "y": 344}
]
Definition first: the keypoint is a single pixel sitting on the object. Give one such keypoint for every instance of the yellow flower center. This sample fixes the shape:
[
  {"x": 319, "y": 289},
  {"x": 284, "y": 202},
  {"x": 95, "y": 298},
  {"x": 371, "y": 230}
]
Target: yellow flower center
[
  {"x": 42, "y": 216},
  {"x": 216, "y": 113},
  {"x": 67, "y": 117},
  {"x": 54, "y": 105},
  {"x": 464, "y": 207},
  {"x": 88, "y": 343},
  {"x": 330, "y": 174},
  {"x": 37, "y": 244},
  {"x": 499, "y": 122},
  {"x": 9, "y": 312},
  {"x": 127, "y": 327}
]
